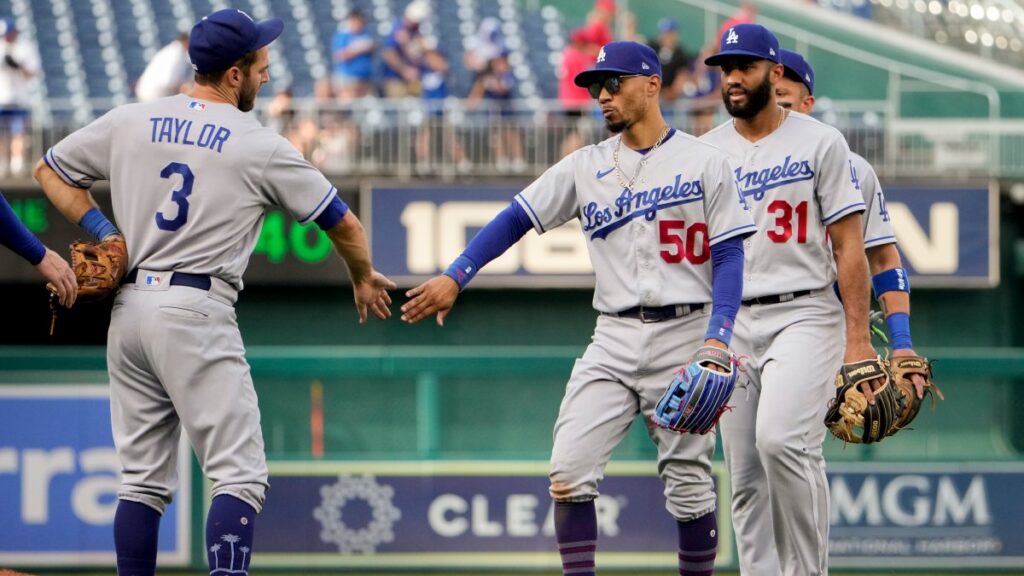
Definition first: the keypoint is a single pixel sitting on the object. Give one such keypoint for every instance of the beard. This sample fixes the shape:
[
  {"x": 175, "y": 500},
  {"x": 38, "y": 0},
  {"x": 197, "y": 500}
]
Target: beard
[
  {"x": 247, "y": 96},
  {"x": 756, "y": 100},
  {"x": 617, "y": 126}
]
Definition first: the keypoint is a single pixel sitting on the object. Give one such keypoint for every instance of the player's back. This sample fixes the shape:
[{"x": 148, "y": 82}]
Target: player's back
[{"x": 186, "y": 184}]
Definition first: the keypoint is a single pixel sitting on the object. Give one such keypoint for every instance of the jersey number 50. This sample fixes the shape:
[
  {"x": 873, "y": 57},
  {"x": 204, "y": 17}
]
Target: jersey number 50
[
  {"x": 690, "y": 244},
  {"x": 178, "y": 195}
]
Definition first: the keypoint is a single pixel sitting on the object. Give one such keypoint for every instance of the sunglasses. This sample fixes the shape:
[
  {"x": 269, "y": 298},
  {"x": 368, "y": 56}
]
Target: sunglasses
[{"x": 612, "y": 84}]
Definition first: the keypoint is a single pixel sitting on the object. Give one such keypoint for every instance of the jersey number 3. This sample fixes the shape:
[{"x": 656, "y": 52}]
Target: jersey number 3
[
  {"x": 179, "y": 196},
  {"x": 690, "y": 244}
]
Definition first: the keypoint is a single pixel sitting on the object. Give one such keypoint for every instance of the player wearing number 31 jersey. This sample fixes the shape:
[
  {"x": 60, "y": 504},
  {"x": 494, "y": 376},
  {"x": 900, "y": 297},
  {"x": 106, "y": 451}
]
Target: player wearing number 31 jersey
[
  {"x": 661, "y": 217},
  {"x": 794, "y": 173},
  {"x": 191, "y": 178}
]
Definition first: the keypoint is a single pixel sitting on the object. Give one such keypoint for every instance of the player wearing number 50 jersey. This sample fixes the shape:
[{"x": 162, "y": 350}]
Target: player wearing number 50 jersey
[
  {"x": 191, "y": 178},
  {"x": 793, "y": 171},
  {"x": 664, "y": 228}
]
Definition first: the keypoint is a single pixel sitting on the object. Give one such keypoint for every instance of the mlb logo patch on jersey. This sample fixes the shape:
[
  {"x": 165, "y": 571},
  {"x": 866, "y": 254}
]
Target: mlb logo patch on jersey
[
  {"x": 152, "y": 279},
  {"x": 196, "y": 105}
]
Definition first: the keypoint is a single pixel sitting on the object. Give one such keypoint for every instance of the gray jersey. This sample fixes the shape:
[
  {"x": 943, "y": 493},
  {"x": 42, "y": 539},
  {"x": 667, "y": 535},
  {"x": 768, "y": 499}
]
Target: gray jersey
[
  {"x": 797, "y": 180},
  {"x": 649, "y": 246},
  {"x": 191, "y": 181},
  {"x": 877, "y": 227}
]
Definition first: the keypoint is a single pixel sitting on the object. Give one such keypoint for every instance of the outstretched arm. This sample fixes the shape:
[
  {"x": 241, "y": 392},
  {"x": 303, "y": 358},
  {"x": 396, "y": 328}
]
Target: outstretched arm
[
  {"x": 48, "y": 263},
  {"x": 438, "y": 294},
  {"x": 368, "y": 286}
]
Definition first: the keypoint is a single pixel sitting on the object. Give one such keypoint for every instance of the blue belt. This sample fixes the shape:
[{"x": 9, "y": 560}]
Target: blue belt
[
  {"x": 200, "y": 281},
  {"x": 649, "y": 314},
  {"x": 777, "y": 298}
]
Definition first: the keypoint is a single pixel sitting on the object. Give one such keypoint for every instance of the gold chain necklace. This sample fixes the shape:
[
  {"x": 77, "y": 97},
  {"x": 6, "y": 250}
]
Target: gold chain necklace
[{"x": 643, "y": 161}]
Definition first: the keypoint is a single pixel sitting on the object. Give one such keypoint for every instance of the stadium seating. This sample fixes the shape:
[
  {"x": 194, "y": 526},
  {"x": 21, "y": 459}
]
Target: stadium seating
[{"x": 988, "y": 28}]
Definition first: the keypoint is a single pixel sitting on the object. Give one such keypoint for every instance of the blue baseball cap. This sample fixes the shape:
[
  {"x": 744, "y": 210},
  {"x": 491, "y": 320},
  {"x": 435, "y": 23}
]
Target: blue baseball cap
[
  {"x": 751, "y": 40},
  {"x": 667, "y": 25},
  {"x": 220, "y": 39},
  {"x": 621, "y": 58},
  {"x": 798, "y": 68}
]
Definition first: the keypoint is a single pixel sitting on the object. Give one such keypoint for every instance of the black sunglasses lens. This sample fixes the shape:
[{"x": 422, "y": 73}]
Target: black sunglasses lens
[{"x": 612, "y": 84}]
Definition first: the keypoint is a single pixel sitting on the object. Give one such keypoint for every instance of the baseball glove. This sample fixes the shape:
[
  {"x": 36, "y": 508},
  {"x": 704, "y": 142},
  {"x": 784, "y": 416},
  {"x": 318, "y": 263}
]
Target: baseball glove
[
  {"x": 850, "y": 417},
  {"x": 99, "y": 267},
  {"x": 696, "y": 398},
  {"x": 903, "y": 368}
]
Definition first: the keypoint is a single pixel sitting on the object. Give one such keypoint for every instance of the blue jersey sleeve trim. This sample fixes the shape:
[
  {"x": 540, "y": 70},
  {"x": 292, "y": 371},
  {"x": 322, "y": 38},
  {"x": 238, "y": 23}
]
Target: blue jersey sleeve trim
[
  {"x": 745, "y": 230},
  {"x": 51, "y": 161},
  {"x": 880, "y": 241},
  {"x": 533, "y": 214},
  {"x": 335, "y": 211},
  {"x": 855, "y": 207},
  {"x": 319, "y": 206}
]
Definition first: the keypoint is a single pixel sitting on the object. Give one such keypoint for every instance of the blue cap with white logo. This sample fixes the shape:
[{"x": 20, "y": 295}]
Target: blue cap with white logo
[
  {"x": 752, "y": 40},
  {"x": 798, "y": 68},
  {"x": 220, "y": 39},
  {"x": 619, "y": 59}
]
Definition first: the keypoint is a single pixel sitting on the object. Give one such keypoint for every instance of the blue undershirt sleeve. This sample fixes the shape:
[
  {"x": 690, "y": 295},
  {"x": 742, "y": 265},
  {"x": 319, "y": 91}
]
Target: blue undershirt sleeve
[
  {"x": 17, "y": 237},
  {"x": 727, "y": 287},
  {"x": 492, "y": 241}
]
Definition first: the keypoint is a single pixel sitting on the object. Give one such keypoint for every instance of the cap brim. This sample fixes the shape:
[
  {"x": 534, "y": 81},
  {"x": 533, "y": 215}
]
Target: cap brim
[
  {"x": 267, "y": 31},
  {"x": 717, "y": 59},
  {"x": 588, "y": 77}
]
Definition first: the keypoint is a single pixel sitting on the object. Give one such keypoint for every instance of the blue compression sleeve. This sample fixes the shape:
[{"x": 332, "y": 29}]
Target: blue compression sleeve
[
  {"x": 727, "y": 287},
  {"x": 96, "y": 224},
  {"x": 17, "y": 237},
  {"x": 492, "y": 241}
]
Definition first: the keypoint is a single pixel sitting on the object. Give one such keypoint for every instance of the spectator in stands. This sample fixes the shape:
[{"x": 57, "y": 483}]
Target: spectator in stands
[
  {"x": 168, "y": 73},
  {"x": 579, "y": 55},
  {"x": 403, "y": 52},
  {"x": 19, "y": 66},
  {"x": 675, "y": 62},
  {"x": 434, "y": 80},
  {"x": 495, "y": 86},
  {"x": 484, "y": 46},
  {"x": 352, "y": 49},
  {"x": 601, "y": 20}
]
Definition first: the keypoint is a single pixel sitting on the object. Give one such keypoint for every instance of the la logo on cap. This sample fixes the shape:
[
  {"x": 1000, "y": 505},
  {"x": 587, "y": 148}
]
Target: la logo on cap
[
  {"x": 600, "y": 55},
  {"x": 733, "y": 37}
]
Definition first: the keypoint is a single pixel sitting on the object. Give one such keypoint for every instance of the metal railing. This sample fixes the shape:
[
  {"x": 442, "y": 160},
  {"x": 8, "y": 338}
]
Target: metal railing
[{"x": 407, "y": 139}]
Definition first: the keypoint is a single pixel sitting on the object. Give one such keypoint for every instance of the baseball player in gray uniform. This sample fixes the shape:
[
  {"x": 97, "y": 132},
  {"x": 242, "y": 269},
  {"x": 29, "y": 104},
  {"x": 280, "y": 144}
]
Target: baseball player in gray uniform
[
  {"x": 662, "y": 217},
  {"x": 191, "y": 178},
  {"x": 795, "y": 91},
  {"x": 794, "y": 173}
]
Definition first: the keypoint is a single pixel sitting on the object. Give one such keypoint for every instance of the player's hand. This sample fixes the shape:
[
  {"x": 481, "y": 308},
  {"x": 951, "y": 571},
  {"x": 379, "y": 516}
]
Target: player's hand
[
  {"x": 855, "y": 352},
  {"x": 60, "y": 278},
  {"x": 716, "y": 344},
  {"x": 919, "y": 382},
  {"x": 435, "y": 295},
  {"x": 372, "y": 294}
]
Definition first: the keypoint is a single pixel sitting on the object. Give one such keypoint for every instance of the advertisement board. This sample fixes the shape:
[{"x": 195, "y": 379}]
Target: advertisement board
[
  {"x": 457, "y": 514},
  {"x": 949, "y": 237},
  {"x": 59, "y": 475}
]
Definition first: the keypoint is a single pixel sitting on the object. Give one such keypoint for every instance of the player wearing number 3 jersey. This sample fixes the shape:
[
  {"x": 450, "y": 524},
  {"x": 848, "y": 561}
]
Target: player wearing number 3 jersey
[
  {"x": 794, "y": 173},
  {"x": 662, "y": 219},
  {"x": 191, "y": 178}
]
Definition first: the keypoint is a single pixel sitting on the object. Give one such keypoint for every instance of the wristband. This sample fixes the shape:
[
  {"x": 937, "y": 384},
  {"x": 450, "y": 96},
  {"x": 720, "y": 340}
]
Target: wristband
[
  {"x": 97, "y": 225},
  {"x": 892, "y": 280},
  {"x": 720, "y": 328},
  {"x": 899, "y": 329},
  {"x": 462, "y": 270}
]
